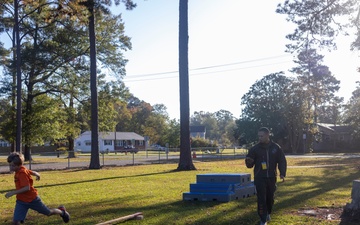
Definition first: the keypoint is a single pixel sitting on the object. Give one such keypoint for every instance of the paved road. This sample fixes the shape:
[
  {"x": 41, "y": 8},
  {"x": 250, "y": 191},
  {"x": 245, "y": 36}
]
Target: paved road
[{"x": 68, "y": 164}]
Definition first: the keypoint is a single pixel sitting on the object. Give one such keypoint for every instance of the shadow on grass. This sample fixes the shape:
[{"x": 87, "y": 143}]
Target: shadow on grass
[
  {"x": 98, "y": 179},
  {"x": 328, "y": 161},
  {"x": 176, "y": 212},
  {"x": 331, "y": 180}
]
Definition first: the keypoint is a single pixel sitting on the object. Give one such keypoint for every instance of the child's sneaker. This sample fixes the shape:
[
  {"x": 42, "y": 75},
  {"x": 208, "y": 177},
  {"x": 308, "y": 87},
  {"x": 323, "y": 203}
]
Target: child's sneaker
[{"x": 65, "y": 215}]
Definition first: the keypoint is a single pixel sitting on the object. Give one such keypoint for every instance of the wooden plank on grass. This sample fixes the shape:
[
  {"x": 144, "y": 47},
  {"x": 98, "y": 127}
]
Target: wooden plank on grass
[{"x": 137, "y": 215}]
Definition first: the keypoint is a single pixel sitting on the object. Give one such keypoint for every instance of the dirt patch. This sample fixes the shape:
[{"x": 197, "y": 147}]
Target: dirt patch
[
  {"x": 331, "y": 214},
  {"x": 323, "y": 213}
]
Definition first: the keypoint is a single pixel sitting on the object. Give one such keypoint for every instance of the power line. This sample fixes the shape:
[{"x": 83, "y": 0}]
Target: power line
[
  {"x": 206, "y": 67},
  {"x": 202, "y": 73}
]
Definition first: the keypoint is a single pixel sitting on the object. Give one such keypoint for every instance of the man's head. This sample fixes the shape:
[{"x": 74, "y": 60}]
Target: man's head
[
  {"x": 264, "y": 135},
  {"x": 15, "y": 160}
]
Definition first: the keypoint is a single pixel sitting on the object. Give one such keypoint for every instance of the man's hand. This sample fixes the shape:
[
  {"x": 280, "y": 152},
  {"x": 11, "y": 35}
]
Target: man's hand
[
  {"x": 282, "y": 178},
  {"x": 249, "y": 162}
]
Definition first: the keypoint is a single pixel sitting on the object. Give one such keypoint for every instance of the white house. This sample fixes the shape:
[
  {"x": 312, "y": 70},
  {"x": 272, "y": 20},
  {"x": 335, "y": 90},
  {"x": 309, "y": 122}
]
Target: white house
[
  {"x": 110, "y": 141},
  {"x": 4, "y": 143},
  {"x": 197, "y": 131}
]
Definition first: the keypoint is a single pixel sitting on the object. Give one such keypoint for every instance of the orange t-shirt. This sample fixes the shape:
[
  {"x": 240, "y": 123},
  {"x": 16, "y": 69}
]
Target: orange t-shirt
[{"x": 23, "y": 178}]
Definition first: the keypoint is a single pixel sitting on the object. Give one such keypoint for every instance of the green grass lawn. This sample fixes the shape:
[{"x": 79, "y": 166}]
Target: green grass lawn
[{"x": 93, "y": 196}]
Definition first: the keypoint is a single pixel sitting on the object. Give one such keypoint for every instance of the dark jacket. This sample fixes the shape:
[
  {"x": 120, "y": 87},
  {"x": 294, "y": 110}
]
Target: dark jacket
[{"x": 271, "y": 155}]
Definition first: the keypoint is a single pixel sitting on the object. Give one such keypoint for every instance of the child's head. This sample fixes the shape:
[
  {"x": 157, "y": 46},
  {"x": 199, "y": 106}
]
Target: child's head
[{"x": 15, "y": 158}]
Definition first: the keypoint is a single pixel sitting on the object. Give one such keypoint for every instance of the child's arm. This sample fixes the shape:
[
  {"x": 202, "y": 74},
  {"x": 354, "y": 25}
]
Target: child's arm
[
  {"x": 19, "y": 191},
  {"x": 34, "y": 173}
]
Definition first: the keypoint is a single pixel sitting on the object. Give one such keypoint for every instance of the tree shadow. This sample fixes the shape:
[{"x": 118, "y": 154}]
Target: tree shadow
[
  {"x": 326, "y": 184},
  {"x": 97, "y": 179}
]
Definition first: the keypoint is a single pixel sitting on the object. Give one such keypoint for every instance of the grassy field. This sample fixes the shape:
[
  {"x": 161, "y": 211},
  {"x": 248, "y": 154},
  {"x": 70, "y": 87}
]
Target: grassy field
[{"x": 93, "y": 196}]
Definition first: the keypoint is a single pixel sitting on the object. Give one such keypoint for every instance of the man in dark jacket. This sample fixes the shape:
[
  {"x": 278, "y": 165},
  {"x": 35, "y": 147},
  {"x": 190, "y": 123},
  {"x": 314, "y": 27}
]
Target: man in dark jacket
[{"x": 266, "y": 156}]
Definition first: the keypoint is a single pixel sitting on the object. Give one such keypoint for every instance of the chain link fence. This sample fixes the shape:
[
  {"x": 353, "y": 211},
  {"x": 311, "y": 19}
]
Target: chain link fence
[{"x": 57, "y": 160}]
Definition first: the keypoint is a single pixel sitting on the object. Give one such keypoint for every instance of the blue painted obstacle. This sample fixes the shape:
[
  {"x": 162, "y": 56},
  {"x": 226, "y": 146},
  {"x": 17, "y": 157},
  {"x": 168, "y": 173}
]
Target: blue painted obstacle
[{"x": 220, "y": 187}]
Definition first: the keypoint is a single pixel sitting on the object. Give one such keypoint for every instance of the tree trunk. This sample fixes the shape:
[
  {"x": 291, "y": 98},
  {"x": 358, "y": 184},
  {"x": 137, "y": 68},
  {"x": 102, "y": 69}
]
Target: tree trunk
[
  {"x": 27, "y": 152},
  {"x": 71, "y": 153},
  {"x": 71, "y": 120},
  {"x": 95, "y": 158},
  {"x": 185, "y": 161}
]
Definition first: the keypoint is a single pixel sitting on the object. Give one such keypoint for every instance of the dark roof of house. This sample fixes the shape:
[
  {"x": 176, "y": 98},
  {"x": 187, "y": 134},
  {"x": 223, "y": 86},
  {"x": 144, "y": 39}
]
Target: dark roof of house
[
  {"x": 336, "y": 128},
  {"x": 342, "y": 129},
  {"x": 197, "y": 129},
  {"x": 110, "y": 135}
]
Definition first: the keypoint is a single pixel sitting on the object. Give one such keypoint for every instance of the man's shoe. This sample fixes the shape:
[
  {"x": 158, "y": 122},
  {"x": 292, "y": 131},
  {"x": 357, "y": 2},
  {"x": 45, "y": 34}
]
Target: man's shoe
[
  {"x": 268, "y": 218},
  {"x": 65, "y": 215}
]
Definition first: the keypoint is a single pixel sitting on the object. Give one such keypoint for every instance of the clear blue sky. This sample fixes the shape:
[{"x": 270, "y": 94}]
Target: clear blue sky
[
  {"x": 238, "y": 42},
  {"x": 232, "y": 44}
]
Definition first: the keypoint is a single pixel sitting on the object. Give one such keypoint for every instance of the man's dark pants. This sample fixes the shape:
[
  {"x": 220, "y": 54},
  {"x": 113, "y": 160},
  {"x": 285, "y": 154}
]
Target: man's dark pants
[{"x": 265, "y": 188}]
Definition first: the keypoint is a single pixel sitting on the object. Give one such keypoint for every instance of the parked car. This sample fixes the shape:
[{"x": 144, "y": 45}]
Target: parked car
[
  {"x": 129, "y": 148},
  {"x": 157, "y": 147}
]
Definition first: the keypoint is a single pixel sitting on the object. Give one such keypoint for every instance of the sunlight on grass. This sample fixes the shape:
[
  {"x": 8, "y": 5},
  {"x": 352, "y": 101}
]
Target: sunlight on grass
[{"x": 93, "y": 196}]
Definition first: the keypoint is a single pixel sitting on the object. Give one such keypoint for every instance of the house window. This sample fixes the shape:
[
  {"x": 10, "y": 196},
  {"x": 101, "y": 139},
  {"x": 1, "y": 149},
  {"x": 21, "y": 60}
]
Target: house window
[
  {"x": 141, "y": 142},
  {"x": 107, "y": 142},
  {"x": 88, "y": 143},
  {"x": 118, "y": 143},
  {"x": 3, "y": 143}
]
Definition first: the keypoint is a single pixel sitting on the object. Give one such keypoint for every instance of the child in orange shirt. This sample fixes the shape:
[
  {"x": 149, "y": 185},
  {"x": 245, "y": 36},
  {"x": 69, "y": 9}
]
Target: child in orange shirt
[{"x": 26, "y": 195}]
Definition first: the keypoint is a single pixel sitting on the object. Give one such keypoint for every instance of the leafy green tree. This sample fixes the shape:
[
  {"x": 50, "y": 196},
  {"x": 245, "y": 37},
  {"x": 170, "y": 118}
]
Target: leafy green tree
[
  {"x": 7, "y": 120},
  {"x": 226, "y": 126},
  {"x": 220, "y": 126},
  {"x": 246, "y": 131},
  {"x": 297, "y": 117},
  {"x": 332, "y": 112},
  {"x": 57, "y": 41},
  {"x": 201, "y": 142},
  {"x": 3, "y": 53},
  {"x": 264, "y": 103},
  {"x": 173, "y": 133},
  {"x": 319, "y": 22},
  {"x": 316, "y": 79},
  {"x": 351, "y": 116},
  {"x": 210, "y": 122},
  {"x": 156, "y": 127},
  {"x": 158, "y": 121},
  {"x": 140, "y": 113},
  {"x": 319, "y": 87},
  {"x": 101, "y": 7}
]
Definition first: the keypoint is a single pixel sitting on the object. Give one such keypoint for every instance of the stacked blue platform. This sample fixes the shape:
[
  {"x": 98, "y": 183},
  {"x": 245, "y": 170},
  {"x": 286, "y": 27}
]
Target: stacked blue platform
[{"x": 220, "y": 187}]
